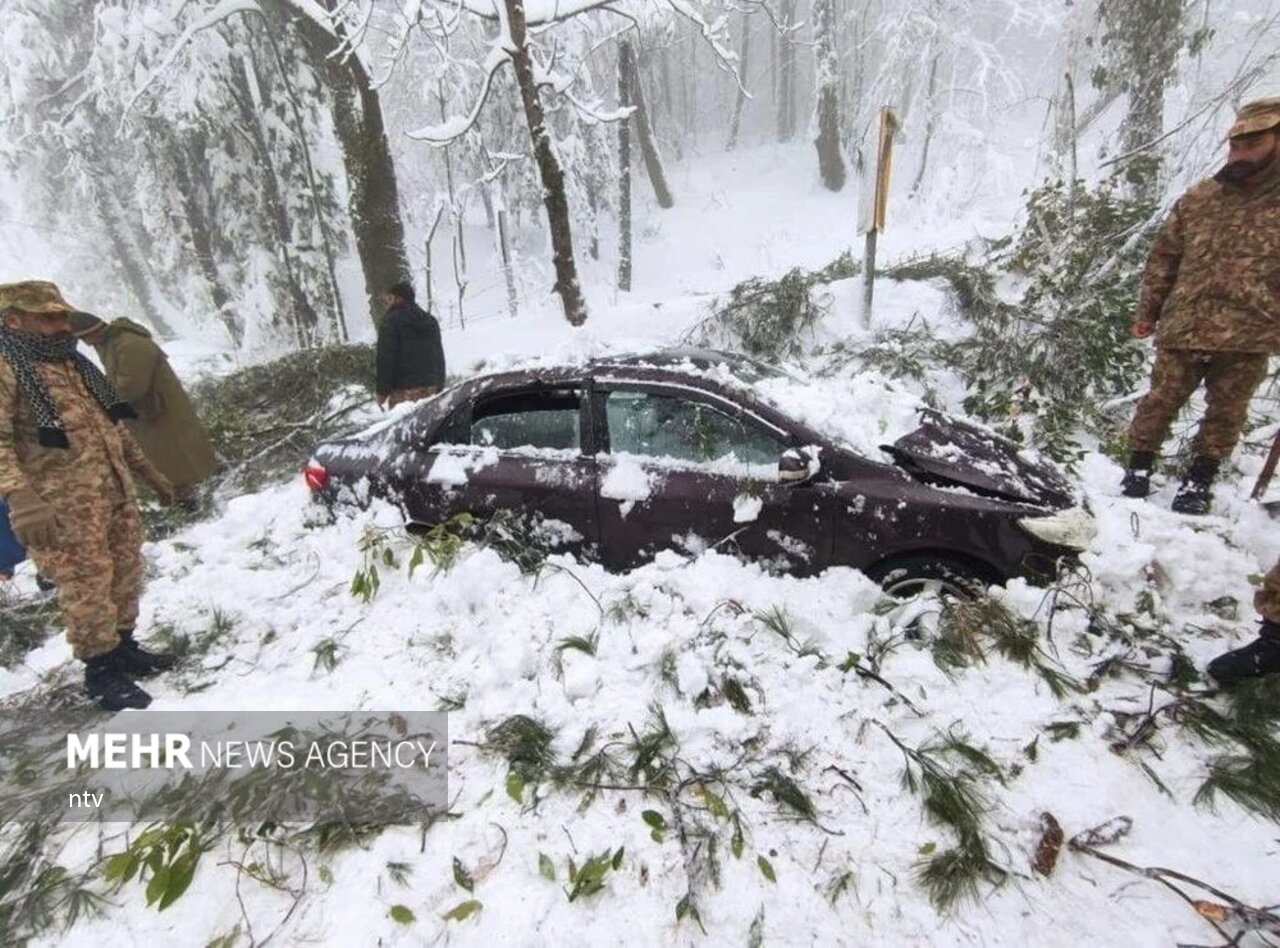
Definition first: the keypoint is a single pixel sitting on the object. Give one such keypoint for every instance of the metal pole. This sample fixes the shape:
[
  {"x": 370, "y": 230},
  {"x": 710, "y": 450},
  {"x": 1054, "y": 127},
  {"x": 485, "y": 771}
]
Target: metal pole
[{"x": 868, "y": 277}]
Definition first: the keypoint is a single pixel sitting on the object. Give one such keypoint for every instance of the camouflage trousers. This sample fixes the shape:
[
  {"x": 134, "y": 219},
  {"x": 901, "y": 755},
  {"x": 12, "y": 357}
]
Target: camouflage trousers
[
  {"x": 1267, "y": 599},
  {"x": 97, "y": 567},
  {"x": 1230, "y": 379}
]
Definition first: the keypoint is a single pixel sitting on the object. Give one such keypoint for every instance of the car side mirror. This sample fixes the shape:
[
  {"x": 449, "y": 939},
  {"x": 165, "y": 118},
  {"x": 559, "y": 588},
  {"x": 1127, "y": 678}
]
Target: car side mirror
[{"x": 797, "y": 465}]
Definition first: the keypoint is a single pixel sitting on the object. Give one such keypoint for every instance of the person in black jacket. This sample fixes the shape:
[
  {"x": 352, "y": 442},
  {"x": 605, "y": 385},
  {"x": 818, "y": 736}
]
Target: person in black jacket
[{"x": 410, "y": 357}]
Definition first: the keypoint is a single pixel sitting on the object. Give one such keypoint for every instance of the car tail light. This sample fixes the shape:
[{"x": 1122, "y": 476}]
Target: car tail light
[{"x": 315, "y": 475}]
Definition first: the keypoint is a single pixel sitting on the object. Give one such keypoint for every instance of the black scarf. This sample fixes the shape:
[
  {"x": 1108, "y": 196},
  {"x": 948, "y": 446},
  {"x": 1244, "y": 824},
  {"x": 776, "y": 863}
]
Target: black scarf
[{"x": 22, "y": 350}]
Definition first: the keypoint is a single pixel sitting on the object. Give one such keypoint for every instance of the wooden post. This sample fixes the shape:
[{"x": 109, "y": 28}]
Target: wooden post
[
  {"x": 868, "y": 277},
  {"x": 875, "y": 204}
]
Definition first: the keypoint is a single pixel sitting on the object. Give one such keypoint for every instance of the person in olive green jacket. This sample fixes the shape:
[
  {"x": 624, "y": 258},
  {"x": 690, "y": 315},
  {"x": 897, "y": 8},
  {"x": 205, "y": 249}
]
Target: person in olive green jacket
[{"x": 167, "y": 426}]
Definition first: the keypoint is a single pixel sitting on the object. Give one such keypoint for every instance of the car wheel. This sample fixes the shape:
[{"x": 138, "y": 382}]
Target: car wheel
[{"x": 910, "y": 576}]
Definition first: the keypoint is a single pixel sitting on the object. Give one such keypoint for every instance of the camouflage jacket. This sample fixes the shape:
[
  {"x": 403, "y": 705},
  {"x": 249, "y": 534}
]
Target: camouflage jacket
[
  {"x": 1212, "y": 280},
  {"x": 100, "y": 447}
]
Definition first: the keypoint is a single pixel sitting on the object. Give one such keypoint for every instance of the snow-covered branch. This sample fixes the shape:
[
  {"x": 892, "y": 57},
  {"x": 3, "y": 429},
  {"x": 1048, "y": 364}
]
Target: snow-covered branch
[
  {"x": 537, "y": 12},
  {"x": 456, "y": 127},
  {"x": 222, "y": 12}
]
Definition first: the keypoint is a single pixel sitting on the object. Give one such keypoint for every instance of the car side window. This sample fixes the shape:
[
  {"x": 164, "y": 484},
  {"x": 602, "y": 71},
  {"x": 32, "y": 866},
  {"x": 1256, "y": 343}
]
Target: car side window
[
  {"x": 538, "y": 420},
  {"x": 660, "y": 426}
]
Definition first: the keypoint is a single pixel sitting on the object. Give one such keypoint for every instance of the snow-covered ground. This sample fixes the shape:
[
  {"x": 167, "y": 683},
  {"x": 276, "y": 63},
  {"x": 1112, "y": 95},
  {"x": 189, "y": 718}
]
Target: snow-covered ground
[{"x": 670, "y": 637}]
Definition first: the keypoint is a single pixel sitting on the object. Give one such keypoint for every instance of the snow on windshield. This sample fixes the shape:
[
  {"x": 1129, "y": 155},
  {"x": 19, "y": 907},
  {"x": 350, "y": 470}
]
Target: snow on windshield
[{"x": 863, "y": 412}]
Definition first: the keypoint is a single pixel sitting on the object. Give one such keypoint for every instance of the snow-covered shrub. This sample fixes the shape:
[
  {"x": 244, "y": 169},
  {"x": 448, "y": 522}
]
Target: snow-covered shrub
[
  {"x": 266, "y": 419},
  {"x": 1043, "y": 369},
  {"x": 770, "y": 317},
  {"x": 25, "y": 623},
  {"x": 1082, "y": 253}
]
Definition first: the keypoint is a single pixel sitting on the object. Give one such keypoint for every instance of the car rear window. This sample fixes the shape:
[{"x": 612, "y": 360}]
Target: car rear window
[{"x": 548, "y": 420}]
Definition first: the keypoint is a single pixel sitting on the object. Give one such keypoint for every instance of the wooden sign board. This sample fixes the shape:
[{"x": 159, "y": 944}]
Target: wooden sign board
[{"x": 874, "y": 201}]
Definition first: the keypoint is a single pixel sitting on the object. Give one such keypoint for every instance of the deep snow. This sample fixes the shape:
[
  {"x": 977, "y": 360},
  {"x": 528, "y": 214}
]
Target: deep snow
[{"x": 485, "y": 635}]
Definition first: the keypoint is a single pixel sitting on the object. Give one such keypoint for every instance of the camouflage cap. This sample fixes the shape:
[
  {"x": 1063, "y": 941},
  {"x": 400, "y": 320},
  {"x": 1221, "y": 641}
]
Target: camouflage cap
[
  {"x": 34, "y": 296},
  {"x": 1256, "y": 116}
]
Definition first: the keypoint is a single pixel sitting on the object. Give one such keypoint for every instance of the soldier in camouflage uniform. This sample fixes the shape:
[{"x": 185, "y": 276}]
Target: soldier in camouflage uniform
[
  {"x": 1211, "y": 296},
  {"x": 65, "y": 463},
  {"x": 1262, "y": 656}
]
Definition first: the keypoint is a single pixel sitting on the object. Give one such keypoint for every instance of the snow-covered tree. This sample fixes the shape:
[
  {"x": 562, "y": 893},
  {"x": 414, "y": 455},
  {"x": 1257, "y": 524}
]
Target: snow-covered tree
[
  {"x": 1141, "y": 40},
  {"x": 548, "y": 46},
  {"x": 827, "y": 115}
]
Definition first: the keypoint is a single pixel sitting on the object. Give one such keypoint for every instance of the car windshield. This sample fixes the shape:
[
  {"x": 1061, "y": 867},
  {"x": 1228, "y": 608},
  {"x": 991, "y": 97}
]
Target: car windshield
[
  {"x": 862, "y": 412},
  {"x": 745, "y": 369}
]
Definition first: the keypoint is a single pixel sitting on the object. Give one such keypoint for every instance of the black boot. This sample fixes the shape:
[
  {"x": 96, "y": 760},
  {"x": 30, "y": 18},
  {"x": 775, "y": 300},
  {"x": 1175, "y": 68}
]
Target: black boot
[
  {"x": 106, "y": 683},
  {"x": 1137, "y": 474},
  {"x": 1259, "y": 657},
  {"x": 137, "y": 661},
  {"x": 1196, "y": 492}
]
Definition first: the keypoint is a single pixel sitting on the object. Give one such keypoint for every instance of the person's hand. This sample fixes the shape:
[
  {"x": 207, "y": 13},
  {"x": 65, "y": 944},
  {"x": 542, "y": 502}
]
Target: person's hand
[
  {"x": 163, "y": 490},
  {"x": 34, "y": 521},
  {"x": 1142, "y": 329}
]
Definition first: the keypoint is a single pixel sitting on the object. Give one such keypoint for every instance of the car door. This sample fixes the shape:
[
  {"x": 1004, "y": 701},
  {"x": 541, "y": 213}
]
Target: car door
[
  {"x": 687, "y": 470},
  {"x": 518, "y": 450}
]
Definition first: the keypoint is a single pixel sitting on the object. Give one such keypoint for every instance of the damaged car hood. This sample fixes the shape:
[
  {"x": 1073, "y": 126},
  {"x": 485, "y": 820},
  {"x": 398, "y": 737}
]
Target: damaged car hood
[{"x": 949, "y": 452}]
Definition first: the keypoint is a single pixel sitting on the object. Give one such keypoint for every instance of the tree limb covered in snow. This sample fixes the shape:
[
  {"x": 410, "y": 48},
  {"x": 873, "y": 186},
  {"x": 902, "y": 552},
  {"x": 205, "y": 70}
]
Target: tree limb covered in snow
[
  {"x": 447, "y": 131},
  {"x": 223, "y": 11}
]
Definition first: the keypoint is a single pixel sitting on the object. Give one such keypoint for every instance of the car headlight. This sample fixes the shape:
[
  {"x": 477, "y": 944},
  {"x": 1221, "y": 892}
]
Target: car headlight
[{"x": 1074, "y": 528}]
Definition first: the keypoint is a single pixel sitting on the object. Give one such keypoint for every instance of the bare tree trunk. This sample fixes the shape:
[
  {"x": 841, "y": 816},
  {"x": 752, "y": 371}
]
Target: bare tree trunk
[
  {"x": 201, "y": 234},
  {"x": 303, "y": 317},
  {"x": 366, "y": 154},
  {"x": 442, "y": 99},
  {"x": 427, "y": 275},
  {"x": 787, "y": 75},
  {"x": 644, "y": 130},
  {"x": 669, "y": 112},
  {"x": 460, "y": 268},
  {"x": 339, "y": 322},
  {"x": 508, "y": 271},
  {"x": 775, "y": 73},
  {"x": 549, "y": 169},
  {"x": 624, "y": 171},
  {"x": 1147, "y": 36},
  {"x": 1143, "y": 124},
  {"x": 594, "y": 184},
  {"x": 124, "y": 246},
  {"x": 689, "y": 90},
  {"x": 740, "y": 99},
  {"x": 830, "y": 161},
  {"x": 1069, "y": 123},
  {"x": 128, "y": 256},
  {"x": 857, "y": 78},
  {"x": 931, "y": 112}
]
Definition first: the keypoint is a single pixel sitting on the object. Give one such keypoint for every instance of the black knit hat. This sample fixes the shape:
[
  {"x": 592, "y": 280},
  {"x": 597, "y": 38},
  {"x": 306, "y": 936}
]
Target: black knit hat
[{"x": 404, "y": 290}]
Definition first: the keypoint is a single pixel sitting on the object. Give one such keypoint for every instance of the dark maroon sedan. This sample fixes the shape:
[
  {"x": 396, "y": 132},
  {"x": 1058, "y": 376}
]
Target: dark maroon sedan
[{"x": 618, "y": 458}]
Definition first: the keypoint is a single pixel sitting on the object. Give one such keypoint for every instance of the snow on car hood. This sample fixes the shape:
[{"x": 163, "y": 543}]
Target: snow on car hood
[
  {"x": 862, "y": 412},
  {"x": 870, "y": 415},
  {"x": 957, "y": 452}
]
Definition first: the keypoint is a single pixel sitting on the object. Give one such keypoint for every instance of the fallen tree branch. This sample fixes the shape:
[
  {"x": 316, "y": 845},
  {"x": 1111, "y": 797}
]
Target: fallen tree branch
[{"x": 1228, "y": 909}]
